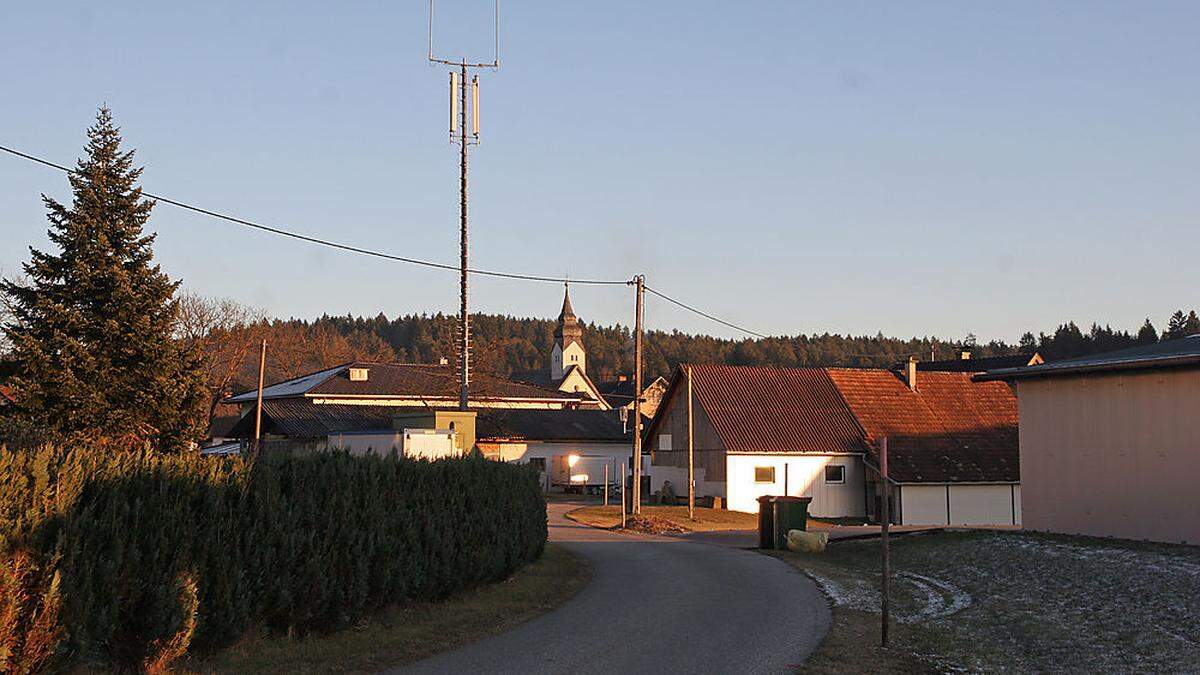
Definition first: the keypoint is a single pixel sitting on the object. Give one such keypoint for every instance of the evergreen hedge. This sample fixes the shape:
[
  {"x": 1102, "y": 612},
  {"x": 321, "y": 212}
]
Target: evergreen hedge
[{"x": 131, "y": 559}]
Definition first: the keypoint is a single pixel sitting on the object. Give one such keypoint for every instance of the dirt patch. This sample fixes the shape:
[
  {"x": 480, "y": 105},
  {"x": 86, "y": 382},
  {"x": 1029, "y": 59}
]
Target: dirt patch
[
  {"x": 1024, "y": 602},
  {"x": 650, "y": 525},
  {"x": 706, "y": 520}
]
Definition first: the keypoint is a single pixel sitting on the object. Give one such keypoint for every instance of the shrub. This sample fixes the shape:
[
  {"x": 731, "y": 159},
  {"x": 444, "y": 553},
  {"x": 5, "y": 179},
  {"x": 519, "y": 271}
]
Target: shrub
[{"x": 130, "y": 559}]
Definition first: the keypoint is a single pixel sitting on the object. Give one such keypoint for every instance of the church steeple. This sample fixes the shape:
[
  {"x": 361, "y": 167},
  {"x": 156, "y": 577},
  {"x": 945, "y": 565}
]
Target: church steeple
[
  {"x": 568, "y": 341},
  {"x": 568, "y": 329}
]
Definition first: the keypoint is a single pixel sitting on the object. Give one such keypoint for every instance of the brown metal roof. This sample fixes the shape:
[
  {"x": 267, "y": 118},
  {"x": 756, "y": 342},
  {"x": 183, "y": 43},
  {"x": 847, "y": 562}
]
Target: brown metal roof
[{"x": 768, "y": 409}]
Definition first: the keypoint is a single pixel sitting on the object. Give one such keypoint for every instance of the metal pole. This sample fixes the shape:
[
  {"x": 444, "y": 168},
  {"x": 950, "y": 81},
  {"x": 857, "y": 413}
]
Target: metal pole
[
  {"x": 606, "y": 484},
  {"x": 622, "y": 495},
  {"x": 636, "y": 506},
  {"x": 691, "y": 451},
  {"x": 885, "y": 516},
  {"x": 262, "y": 367},
  {"x": 464, "y": 319}
]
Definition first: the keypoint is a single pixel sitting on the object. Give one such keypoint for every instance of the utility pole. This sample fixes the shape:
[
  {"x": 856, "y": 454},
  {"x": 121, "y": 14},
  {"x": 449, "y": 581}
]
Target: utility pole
[
  {"x": 262, "y": 367},
  {"x": 691, "y": 451},
  {"x": 885, "y": 517},
  {"x": 459, "y": 134},
  {"x": 636, "y": 506}
]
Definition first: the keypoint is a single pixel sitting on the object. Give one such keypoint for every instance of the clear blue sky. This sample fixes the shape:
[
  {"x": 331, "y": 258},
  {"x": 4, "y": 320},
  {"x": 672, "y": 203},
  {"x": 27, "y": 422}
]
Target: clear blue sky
[{"x": 911, "y": 168}]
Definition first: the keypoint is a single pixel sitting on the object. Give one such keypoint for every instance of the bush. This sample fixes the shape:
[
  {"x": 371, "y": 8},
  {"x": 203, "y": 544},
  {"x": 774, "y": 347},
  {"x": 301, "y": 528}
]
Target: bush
[{"x": 131, "y": 559}]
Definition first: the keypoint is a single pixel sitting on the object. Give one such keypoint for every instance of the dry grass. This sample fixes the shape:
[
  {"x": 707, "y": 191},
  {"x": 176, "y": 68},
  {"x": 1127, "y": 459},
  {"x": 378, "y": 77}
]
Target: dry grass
[
  {"x": 707, "y": 520},
  {"x": 414, "y": 631}
]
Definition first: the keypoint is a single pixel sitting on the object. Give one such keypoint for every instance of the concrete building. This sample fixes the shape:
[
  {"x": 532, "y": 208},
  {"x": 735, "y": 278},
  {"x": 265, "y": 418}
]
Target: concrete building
[
  {"x": 1110, "y": 443},
  {"x": 815, "y": 432}
]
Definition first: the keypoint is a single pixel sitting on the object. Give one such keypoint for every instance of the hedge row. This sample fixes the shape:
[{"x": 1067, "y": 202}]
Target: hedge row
[{"x": 132, "y": 559}]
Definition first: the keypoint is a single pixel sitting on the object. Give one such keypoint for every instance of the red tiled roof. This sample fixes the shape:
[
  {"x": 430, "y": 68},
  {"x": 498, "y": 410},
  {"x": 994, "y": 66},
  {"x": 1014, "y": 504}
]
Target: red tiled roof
[
  {"x": 949, "y": 430},
  {"x": 767, "y": 409}
]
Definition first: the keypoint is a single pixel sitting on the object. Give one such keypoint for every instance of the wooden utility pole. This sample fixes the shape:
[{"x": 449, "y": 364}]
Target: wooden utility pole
[
  {"x": 691, "y": 451},
  {"x": 262, "y": 367},
  {"x": 636, "y": 506},
  {"x": 885, "y": 517}
]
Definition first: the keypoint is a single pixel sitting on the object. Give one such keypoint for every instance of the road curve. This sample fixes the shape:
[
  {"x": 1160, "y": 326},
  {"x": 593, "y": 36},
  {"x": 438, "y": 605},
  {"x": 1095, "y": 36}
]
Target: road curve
[{"x": 657, "y": 604}]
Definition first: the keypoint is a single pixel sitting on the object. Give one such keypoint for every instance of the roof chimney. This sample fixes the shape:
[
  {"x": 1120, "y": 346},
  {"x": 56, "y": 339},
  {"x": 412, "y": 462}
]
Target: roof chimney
[
  {"x": 910, "y": 373},
  {"x": 965, "y": 355}
]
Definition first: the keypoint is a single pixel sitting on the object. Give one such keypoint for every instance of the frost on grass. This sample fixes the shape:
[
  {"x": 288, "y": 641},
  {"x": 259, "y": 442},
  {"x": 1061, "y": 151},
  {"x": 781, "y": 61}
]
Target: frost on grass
[{"x": 1029, "y": 602}]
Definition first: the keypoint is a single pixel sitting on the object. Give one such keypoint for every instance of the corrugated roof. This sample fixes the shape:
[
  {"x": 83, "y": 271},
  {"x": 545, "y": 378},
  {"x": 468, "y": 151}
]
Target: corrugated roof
[
  {"x": 1180, "y": 352},
  {"x": 949, "y": 430},
  {"x": 401, "y": 380},
  {"x": 301, "y": 418},
  {"x": 768, "y": 409}
]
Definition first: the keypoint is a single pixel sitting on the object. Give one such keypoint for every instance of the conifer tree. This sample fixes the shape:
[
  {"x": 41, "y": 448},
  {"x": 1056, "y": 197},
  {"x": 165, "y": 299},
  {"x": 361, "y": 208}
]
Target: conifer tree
[
  {"x": 1175, "y": 325},
  {"x": 91, "y": 327},
  {"x": 1147, "y": 334}
]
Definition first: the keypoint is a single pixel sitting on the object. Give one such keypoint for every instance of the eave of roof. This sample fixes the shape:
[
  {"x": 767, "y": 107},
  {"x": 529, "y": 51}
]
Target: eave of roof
[{"x": 1185, "y": 354}]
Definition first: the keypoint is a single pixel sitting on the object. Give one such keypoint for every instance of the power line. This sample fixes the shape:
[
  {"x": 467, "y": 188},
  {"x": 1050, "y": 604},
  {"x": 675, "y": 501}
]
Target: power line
[
  {"x": 704, "y": 314},
  {"x": 327, "y": 242},
  {"x": 388, "y": 256}
]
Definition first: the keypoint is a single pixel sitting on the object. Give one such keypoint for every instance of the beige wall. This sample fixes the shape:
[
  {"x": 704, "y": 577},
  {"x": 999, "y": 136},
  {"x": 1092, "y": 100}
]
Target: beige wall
[
  {"x": 1112, "y": 455},
  {"x": 960, "y": 504},
  {"x": 672, "y": 422}
]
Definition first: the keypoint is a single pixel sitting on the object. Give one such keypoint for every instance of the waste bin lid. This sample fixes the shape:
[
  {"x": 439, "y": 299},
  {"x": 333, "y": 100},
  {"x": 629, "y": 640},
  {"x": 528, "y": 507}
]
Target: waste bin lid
[
  {"x": 766, "y": 498},
  {"x": 792, "y": 499}
]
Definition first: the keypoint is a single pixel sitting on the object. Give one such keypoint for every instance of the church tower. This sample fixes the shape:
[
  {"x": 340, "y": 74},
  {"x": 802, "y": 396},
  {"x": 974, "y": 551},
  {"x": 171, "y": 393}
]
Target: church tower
[{"x": 568, "y": 342}]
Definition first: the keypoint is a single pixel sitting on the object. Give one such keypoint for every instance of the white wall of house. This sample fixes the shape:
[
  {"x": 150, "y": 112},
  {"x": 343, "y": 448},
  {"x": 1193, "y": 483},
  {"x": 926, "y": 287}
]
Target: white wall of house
[
  {"x": 597, "y": 455},
  {"x": 797, "y": 476},
  {"x": 960, "y": 504}
]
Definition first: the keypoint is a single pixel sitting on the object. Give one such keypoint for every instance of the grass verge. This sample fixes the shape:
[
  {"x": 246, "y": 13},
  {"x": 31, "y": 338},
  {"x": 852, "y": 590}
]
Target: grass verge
[
  {"x": 413, "y": 631},
  {"x": 1017, "y": 601},
  {"x": 707, "y": 520}
]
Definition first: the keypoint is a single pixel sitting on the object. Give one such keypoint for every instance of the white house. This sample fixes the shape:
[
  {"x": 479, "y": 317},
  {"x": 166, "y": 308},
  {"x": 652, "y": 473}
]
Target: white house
[{"x": 815, "y": 432}]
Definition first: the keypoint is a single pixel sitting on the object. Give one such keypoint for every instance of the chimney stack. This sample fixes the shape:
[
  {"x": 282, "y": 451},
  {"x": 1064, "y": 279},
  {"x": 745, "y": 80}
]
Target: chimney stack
[{"x": 910, "y": 373}]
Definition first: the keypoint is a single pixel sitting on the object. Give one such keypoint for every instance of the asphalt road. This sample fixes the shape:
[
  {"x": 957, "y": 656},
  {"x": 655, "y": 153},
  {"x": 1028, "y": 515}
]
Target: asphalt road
[{"x": 658, "y": 604}]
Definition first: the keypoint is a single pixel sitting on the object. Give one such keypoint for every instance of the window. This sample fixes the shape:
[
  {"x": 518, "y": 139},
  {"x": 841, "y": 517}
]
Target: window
[
  {"x": 664, "y": 442},
  {"x": 835, "y": 473},
  {"x": 538, "y": 463},
  {"x": 764, "y": 474}
]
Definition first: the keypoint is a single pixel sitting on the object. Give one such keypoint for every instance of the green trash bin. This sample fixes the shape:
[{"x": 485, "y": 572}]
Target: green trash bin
[
  {"x": 766, "y": 522},
  {"x": 790, "y": 513}
]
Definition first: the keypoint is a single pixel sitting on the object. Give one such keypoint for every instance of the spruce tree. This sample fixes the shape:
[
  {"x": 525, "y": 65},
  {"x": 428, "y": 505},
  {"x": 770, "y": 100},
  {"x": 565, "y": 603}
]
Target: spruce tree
[
  {"x": 1147, "y": 334},
  {"x": 1175, "y": 325},
  {"x": 91, "y": 328}
]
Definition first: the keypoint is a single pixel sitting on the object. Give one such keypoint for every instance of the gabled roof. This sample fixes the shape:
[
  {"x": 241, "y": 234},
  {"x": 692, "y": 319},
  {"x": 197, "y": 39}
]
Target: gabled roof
[
  {"x": 620, "y": 393},
  {"x": 552, "y": 425},
  {"x": 400, "y": 380},
  {"x": 1177, "y": 353},
  {"x": 540, "y": 378},
  {"x": 301, "y": 418},
  {"x": 768, "y": 409},
  {"x": 949, "y": 430}
]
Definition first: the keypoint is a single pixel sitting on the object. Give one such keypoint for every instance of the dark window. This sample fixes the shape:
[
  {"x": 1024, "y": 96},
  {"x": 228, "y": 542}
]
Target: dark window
[
  {"x": 764, "y": 474},
  {"x": 538, "y": 463},
  {"x": 835, "y": 473}
]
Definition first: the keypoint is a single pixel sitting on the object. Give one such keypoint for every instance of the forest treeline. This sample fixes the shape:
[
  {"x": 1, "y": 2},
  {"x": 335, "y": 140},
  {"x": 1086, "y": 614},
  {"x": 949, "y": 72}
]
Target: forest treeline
[{"x": 507, "y": 346}]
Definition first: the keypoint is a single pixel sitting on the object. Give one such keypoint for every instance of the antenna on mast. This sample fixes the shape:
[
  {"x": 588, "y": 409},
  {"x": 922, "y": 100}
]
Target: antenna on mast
[{"x": 460, "y": 134}]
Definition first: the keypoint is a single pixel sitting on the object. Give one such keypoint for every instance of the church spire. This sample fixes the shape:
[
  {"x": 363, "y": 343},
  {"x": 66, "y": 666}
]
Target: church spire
[{"x": 568, "y": 329}]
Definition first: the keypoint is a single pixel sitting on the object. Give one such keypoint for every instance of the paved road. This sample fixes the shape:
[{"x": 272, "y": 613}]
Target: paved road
[{"x": 658, "y": 604}]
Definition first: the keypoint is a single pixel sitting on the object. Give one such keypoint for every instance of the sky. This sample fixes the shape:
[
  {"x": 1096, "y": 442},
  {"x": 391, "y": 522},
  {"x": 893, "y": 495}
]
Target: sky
[{"x": 931, "y": 168}]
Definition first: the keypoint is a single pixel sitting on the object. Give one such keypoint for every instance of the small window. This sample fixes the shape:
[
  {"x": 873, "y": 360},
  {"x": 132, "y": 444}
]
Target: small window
[
  {"x": 835, "y": 473},
  {"x": 764, "y": 474},
  {"x": 538, "y": 463},
  {"x": 664, "y": 442}
]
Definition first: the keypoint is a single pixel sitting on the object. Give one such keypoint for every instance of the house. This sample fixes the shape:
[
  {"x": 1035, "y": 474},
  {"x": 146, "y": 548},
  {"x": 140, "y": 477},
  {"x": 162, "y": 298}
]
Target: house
[
  {"x": 619, "y": 394},
  {"x": 1110, "y": 443},
  {"x": 815, "y": 432},
  {"x": 596, "y": 443},
  {"x": 567, "y": 369},
  {"x": 299, "y": 414},
  {"x": 966, "y": 364}
]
